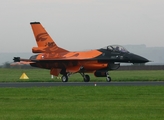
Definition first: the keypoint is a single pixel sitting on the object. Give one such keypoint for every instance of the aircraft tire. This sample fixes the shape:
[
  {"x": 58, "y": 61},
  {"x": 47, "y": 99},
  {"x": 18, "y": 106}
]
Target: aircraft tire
[
  {"x": 108, "y": 79},
  {"x": 64, "y": 78},
  {"x": 86, "y": 78}
]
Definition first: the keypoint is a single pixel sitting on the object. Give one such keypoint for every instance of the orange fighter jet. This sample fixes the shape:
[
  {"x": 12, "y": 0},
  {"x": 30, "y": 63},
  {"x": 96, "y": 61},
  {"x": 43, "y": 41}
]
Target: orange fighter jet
[{"x": 64, "y": 62}]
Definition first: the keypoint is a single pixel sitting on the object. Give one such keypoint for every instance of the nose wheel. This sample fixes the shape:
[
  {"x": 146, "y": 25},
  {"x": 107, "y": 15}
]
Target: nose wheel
[{"x": 108, "y": 78}]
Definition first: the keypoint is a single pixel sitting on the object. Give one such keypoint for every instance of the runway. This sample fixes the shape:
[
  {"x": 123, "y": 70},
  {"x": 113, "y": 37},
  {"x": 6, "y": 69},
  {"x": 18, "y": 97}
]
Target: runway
[{"x": 51, "y": 84}]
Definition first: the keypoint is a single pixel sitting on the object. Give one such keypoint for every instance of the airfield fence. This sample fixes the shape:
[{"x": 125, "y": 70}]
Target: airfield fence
[{"x": 142, "y": 67}]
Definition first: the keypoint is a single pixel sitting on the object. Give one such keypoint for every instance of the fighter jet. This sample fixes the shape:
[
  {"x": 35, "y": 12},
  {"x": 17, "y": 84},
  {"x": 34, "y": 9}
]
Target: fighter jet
[{"x": 61, "y": 61}]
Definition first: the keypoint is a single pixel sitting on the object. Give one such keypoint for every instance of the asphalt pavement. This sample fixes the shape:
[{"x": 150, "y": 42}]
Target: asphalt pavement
[{"x": 51, "y": 84}]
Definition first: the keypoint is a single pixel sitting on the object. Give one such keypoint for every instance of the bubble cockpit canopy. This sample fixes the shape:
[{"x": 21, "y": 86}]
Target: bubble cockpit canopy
[{"x": 116, "y": 48}]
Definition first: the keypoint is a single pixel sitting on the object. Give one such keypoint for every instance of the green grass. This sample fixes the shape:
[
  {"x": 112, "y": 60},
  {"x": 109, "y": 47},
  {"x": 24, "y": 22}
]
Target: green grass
[
  {"x": 13, "y": 75},
  {"x": 82, "y": 103}
]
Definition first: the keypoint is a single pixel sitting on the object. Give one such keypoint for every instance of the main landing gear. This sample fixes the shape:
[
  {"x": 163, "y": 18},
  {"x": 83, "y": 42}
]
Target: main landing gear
[
  {"x": 64, "y": 78},
  {"x": 85, "y": 77}
]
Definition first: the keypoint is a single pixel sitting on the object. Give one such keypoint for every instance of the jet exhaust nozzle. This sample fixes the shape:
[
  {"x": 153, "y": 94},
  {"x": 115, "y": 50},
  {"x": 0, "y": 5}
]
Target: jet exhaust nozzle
[{"x": 16, "y": 59}]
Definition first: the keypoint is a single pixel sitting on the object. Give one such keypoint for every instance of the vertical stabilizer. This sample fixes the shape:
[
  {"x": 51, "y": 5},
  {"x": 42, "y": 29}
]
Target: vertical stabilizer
[{"x": 44, "y": 41}]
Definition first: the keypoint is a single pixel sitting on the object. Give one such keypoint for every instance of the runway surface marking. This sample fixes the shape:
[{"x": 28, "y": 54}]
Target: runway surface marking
[{"x": 51, "y": 84}]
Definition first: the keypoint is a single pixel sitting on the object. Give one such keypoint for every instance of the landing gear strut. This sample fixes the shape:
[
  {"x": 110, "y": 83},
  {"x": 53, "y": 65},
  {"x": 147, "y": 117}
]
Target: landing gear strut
[
  {"x": 108, "y": 78},
  {"x": 65, "y": 75},
  {"x": 85, "y": 77}
]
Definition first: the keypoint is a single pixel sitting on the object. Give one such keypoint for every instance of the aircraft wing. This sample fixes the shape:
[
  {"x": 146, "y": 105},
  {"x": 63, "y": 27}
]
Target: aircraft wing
[{"x": 54, "y": 71}]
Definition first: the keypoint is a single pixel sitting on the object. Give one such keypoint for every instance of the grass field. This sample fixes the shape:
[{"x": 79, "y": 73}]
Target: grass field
[
  {"x": 82, "y": 103},
  {"x": 13, "y": 75}
]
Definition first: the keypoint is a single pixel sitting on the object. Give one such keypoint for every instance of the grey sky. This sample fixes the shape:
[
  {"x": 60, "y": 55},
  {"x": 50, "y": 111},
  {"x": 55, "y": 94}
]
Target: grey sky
[{"x": 82, "y": 24}]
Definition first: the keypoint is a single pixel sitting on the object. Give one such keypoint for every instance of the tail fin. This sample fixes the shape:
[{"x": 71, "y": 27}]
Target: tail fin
[{"x": 44, "y": 41}]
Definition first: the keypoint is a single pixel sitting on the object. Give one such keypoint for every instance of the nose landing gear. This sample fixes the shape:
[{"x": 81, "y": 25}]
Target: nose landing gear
[{"x": 108, "y": 78}]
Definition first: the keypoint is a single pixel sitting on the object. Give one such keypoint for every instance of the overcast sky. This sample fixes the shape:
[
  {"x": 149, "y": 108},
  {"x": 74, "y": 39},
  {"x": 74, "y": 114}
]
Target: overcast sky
[{"x": 82, "y": 24}]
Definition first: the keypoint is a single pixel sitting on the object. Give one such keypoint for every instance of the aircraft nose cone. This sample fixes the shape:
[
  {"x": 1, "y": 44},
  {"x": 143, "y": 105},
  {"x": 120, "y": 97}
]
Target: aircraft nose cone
[{"x": 138, "y": 59}]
